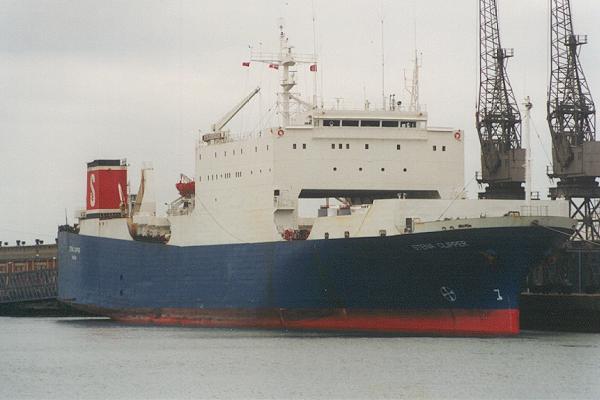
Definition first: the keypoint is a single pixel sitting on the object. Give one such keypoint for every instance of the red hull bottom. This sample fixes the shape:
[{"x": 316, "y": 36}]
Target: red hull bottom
[{"x": 437, "y": 322}]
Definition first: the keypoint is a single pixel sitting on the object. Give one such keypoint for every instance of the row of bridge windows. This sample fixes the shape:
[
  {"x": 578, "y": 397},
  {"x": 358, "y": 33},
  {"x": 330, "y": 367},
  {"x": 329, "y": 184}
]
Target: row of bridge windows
[{"x": 370, "y": 123}]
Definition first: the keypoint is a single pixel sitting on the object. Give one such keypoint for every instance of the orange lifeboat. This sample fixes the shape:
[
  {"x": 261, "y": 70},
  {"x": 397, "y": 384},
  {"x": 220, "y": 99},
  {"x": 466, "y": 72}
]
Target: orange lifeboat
[{"x": 186, "y": 186}]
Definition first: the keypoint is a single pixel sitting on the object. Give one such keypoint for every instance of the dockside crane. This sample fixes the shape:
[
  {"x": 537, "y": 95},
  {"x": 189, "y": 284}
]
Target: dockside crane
[
  {"x": 572, "y": 122},
  {"x": 498, "y": 116}
]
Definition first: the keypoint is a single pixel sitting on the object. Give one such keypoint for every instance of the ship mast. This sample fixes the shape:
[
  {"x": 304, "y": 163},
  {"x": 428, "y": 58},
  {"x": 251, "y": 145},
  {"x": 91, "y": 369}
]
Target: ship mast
[
  {"x": 283, "y": 60},
  {"x": 412, "y": 87}
]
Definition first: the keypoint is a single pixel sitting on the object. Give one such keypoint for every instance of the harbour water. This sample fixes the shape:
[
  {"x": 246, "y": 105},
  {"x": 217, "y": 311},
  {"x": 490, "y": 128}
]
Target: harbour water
[{"x": 52, "y": 358}]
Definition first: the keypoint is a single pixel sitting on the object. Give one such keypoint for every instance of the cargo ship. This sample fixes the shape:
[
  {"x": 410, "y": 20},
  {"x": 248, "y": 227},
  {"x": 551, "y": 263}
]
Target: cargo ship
[{"x": 393, "y": 246}]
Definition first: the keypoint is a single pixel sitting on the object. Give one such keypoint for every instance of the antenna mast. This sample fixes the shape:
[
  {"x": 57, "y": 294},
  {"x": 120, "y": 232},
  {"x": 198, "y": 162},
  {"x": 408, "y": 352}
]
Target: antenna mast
[
  {"x": 498, "y": 117},
  {"x": 283, "y": 60},
  {"x": 413, "y": 87},
  {"x": 314, "y": 22},
  {"x": 382, "y": 61}
]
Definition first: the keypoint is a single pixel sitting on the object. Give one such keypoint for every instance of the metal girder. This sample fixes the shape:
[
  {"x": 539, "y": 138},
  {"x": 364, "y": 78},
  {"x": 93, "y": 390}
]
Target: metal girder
[{"x": 587, "y": 213}]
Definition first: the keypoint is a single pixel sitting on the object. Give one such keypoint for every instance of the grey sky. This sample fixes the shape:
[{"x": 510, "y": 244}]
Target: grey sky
[{"x": 82, "y": 80}]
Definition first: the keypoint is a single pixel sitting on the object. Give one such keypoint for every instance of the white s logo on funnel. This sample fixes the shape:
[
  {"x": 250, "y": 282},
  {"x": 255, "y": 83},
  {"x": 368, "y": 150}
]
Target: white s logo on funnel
[{"x": 92, "y": 190}]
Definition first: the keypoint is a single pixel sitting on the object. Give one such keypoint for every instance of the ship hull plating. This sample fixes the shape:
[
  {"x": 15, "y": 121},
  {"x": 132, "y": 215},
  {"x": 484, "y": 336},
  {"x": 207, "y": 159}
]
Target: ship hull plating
[{"x": 458, "y": 282}]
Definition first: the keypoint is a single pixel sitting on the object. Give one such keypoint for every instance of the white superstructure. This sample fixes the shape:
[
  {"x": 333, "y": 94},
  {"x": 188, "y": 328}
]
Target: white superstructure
[{"x": 385, "y": 167}]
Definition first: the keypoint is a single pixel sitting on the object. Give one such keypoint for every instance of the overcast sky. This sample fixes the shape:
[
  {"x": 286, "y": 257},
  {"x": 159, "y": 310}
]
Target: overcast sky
[{"x": 82, "y": 80}]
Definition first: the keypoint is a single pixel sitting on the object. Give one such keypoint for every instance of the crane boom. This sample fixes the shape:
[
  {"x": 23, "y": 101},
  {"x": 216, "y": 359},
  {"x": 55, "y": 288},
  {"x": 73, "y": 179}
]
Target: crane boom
[
  {"x": 498, "y": 117},
  {"x": 217, "y": 127}
]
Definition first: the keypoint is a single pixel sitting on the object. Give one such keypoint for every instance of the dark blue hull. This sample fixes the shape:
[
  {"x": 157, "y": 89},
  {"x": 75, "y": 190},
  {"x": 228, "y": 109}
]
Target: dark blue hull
[{"x": 461, "y": 281}]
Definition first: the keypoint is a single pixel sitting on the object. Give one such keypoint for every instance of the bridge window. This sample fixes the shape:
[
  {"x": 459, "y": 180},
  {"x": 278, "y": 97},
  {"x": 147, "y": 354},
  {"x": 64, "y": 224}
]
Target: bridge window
[
  {"x": 397, "y": 147},
  {"x": 340, "y": 146},
  {"x": 443, "y": 148},
  {"x": 366, "y": 146},
  {"x": 408, "y": 124},
  {"x": 389, "y": 124},
  {"x": 294, "y": 146},
  {"x": 434, "y": 148},
  {"x": 333, "y": 146},
  {"x": 370, "y": 123},
  {"x": 331, "y": 122},
  {"x": 347, "y": 146},
  {"x": 303, "y": 146},
  {"x": 350, "y": 122}
]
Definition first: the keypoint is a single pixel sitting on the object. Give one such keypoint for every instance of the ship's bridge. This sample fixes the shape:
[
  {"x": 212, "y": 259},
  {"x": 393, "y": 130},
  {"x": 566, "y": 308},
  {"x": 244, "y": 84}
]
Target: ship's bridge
[{"x": 370, "y": 119}]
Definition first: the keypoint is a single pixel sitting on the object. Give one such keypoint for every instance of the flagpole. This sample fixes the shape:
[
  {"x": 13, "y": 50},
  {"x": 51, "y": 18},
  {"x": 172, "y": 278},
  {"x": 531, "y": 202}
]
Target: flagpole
[{"x": 315, "y": 56}]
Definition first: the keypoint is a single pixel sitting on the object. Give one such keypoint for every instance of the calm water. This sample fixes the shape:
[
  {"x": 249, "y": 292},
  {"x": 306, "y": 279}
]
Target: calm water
[{"x": 87, "y": 358}]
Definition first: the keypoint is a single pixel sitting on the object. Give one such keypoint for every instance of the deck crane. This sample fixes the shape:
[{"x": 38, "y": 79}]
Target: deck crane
[
  {"x": 572, "y": 122},
  {"x": 498, "y": 117},
  {"x": 217, "y": 128}
]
